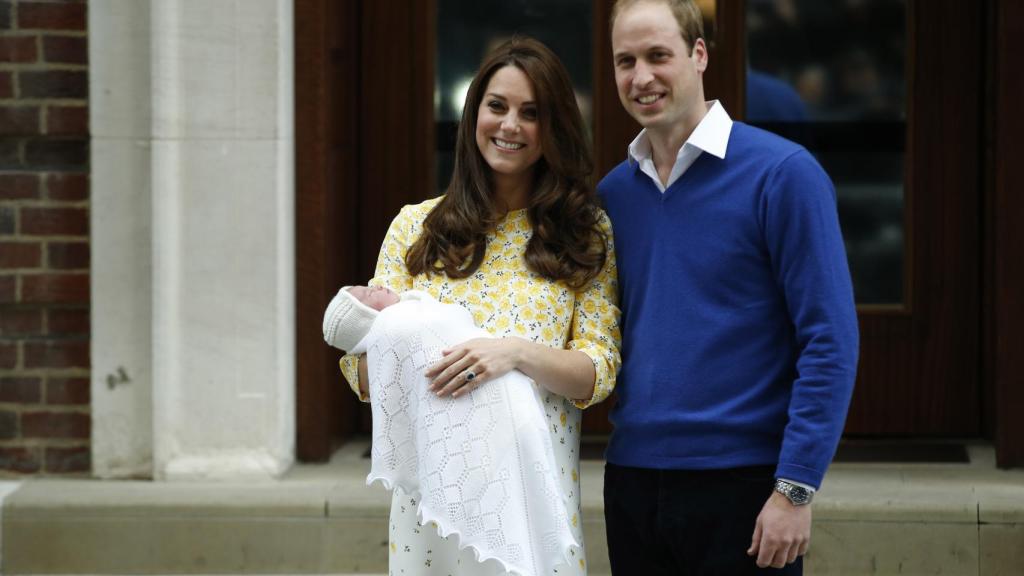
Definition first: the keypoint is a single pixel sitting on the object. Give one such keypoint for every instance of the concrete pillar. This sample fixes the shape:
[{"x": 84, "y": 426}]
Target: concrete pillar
[
  {"x": 220, "y": 276},
  {"x": 119, "y": 110}
]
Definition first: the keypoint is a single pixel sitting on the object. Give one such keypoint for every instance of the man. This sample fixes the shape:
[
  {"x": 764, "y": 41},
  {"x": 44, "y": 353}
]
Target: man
[{"x": 739, "y": 328}]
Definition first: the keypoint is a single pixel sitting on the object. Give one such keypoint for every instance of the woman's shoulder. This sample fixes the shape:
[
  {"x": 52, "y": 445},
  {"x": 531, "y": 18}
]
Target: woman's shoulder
[
  {"x": 411, "y": 216},
  {"x": 419, "y": 211}
]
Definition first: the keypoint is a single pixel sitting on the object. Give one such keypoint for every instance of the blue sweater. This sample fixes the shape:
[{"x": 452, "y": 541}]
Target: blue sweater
[{"x": 739, "y": 328}]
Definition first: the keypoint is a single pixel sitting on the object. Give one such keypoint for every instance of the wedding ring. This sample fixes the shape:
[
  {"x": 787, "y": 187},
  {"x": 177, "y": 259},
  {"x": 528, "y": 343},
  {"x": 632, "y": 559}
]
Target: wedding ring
[{"x": 470, "y": 375}]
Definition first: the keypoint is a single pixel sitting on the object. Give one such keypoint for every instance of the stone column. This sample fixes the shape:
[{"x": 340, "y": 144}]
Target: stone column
[
  {"x": 120, "y": 230},
  {"x": 220, "y": 283}
]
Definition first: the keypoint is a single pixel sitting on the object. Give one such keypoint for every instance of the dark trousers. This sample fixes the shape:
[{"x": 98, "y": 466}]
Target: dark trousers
[{"x": 686, "y": 522}]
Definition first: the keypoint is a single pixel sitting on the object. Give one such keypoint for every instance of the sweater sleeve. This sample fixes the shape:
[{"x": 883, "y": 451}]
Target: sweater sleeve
[
  {"x": 808, "y": 258},
  {"x": 391, "y": 273},
  {"x": 595, "y": 323}
]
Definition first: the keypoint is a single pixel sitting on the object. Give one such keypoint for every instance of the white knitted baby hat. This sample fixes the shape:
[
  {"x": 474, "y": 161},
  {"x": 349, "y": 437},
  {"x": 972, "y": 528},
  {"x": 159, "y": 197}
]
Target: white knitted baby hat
[{"x": 347, "y": 320}]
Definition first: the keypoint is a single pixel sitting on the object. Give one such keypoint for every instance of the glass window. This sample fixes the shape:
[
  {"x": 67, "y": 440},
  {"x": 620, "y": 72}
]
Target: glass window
[
  {"x": 830, "y": 75},
  {"x": 468, "y": 29}
]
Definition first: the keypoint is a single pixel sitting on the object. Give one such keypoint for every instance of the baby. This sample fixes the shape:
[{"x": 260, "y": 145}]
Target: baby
[
  {"x": 351, "y": 313},
  {"x": 481, "y": 466}
]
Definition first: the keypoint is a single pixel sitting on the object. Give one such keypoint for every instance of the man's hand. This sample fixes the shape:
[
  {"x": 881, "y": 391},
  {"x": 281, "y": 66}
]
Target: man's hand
[{"x": 782, "y": 533}]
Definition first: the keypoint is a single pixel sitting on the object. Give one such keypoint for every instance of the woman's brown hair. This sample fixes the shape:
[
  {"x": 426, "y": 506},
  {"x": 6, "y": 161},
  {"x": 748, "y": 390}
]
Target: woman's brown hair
[{"x": 567, "y": 243}]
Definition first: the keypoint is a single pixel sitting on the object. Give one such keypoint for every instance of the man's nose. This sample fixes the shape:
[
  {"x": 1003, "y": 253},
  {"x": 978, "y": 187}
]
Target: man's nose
[{"x": 642, "y": 75}]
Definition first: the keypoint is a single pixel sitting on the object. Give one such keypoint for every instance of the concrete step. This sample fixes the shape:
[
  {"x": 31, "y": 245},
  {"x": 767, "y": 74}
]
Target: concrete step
[{"x": 322, "y": 519}]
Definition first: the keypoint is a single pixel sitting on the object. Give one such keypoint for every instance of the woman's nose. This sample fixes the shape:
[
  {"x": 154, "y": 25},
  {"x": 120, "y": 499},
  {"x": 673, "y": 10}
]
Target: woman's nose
[{"x": 510, "y": 123}]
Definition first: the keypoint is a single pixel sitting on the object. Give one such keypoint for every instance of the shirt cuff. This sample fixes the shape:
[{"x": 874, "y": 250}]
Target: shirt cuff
[{"x": 800, "y": 484}]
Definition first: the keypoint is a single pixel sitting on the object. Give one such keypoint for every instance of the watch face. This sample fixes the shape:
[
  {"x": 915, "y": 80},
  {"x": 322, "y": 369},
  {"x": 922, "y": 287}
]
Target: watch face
[{"x": 799, "y": 494}]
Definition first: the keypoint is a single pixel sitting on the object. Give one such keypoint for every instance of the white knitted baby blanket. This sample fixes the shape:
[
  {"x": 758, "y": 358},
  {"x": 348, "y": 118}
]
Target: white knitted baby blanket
[{"x": 482, "y": 466}]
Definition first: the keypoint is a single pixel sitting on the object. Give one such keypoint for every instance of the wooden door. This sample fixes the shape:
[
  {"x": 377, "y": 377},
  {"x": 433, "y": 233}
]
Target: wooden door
[{"x": 364, "y": 134}]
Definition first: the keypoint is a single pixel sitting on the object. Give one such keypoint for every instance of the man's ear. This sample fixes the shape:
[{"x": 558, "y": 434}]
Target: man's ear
[{"x": 700, "y": 55}]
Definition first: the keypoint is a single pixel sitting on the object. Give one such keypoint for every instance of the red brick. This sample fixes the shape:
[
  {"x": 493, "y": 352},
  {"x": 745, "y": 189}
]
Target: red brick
[
  {"x": 8, "y": 424},
  {"x": 15, "y": 186},
  {"x": 10, "y": 153},
  {"x": 8, "y": 355},
  {"x": 21, "y": 321},
  {"x": 19, "y": 120},
  {"x": 7, "y": 289},
  {"x": 55, "y": 288},
  {"x": 69, "y": 186},
  {"x": 54, "y": 425},
  {"x": 6, "y": 220},
  {"x": 70, "y": 120},
  {"x": 66, "y": 49},
  {"x": 67, "y": 391},
  {"x": 68, "y": 255},
  {"x": 20, "y": 390},
  {"x": 54, "y": 84},
  {"x": 57, "y": 354},
  {"x": 20, "y": 255},
  {"x": 22, "y": 460},
  {"x": 47, "y": 16},
  {"x": 68, "y": 460},
  {"x": 56, "y": 154},
  {"x": 18, "y": 49},
  {"x": 6, "y": 86},
  {"x": 68, "y": 321},
  {"x": 55, "y": 221}
]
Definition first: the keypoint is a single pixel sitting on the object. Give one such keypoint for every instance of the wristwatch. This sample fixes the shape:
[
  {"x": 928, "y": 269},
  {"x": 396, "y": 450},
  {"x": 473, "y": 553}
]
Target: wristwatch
[{"x": 797, "y": 495}]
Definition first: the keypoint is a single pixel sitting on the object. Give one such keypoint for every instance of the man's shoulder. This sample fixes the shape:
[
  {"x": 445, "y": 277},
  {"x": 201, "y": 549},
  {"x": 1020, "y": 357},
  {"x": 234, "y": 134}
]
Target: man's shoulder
[
  {"x": 617, "y": 177},
  {"x": 760, "y": 151},
  {"x": 751, "y": 140}
]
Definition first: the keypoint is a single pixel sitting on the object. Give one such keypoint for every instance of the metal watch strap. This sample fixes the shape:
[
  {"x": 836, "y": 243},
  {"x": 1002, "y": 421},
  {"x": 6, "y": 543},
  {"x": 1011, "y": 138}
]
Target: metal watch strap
[{"x": 797, "y": 495}]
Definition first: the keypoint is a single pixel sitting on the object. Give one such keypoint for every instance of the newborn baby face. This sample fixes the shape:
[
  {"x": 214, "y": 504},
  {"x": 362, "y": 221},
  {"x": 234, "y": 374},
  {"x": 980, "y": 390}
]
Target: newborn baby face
[{"x": 376, "y": 297}]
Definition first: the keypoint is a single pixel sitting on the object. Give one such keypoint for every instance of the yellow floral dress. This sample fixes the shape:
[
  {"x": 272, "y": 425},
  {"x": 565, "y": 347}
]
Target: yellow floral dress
[{"x": 507, "y": 299}]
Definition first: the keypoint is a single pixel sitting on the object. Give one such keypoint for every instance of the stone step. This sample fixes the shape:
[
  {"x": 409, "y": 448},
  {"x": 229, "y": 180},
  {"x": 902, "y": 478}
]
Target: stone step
[{"x": 322, "y": 519}]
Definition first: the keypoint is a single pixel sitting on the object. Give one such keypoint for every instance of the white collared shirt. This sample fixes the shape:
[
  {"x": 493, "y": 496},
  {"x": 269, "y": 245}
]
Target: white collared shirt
[{"x": 711, "y": 135}]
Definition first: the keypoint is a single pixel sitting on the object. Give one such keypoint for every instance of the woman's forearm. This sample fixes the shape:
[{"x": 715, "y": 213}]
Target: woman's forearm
[
  {"x": 364, "y": 378},
  {"x": 569, "y": 373}
]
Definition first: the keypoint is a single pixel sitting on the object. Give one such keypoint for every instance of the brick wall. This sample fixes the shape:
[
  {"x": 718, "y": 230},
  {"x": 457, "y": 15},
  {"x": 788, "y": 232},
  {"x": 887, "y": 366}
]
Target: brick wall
[{"x": 44, "y": 238}]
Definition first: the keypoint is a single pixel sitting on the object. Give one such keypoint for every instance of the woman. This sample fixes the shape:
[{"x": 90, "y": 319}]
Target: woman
[{"x": 519, "y": 241}]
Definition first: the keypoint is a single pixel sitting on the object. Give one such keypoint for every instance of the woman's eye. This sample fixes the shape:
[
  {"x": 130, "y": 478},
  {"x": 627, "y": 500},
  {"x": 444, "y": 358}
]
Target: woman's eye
[
  {"x": 530, "y": 114},
  {"x": 495, "y": 105}
]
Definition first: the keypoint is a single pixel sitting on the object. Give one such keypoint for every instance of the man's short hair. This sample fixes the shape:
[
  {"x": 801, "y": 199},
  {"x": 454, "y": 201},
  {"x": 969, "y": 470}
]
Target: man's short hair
[{"x": 687, "y": 13}]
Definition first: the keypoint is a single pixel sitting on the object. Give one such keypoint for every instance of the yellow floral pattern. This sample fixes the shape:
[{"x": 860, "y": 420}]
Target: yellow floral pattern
[{"x": 507, "y": 299}]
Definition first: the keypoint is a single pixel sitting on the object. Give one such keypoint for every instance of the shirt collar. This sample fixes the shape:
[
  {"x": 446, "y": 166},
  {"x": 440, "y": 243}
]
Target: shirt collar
[{"x": 711, "y": 135}]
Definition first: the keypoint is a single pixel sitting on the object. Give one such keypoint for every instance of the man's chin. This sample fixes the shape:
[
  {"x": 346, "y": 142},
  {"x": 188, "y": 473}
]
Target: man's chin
[{"x": 647, "y": 119}]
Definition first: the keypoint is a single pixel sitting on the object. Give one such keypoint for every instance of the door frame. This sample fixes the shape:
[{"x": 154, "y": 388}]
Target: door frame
[{"x": 332, "y": 132}]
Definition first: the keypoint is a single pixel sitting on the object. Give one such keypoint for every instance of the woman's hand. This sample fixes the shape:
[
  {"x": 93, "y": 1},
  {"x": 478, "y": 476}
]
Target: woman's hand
[{"x": 465, "y": 367}]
